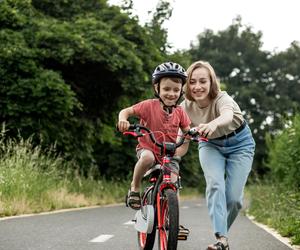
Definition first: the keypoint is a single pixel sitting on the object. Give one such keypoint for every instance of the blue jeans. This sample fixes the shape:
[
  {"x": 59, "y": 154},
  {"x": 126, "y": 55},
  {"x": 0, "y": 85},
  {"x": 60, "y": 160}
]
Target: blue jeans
[{"x": 226, "y": 165}]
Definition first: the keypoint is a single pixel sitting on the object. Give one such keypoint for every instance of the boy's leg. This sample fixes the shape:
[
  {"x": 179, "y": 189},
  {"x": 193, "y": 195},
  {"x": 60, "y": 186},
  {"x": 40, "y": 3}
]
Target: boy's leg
[{"x": 146, "y": 160}]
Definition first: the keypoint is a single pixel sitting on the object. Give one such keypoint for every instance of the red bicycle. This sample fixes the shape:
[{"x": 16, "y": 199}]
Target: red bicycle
[{"x": 160, "y": 210}]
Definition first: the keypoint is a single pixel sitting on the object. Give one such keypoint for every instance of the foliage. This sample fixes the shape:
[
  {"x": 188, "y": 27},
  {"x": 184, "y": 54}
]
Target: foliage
[
  {"x": 284, "y": 155},
  {"x": 33, "y": 179},
  {"x": 277, "y": 202},
  {"x": 278, "y": 207},
  {"x": 190, "y": 170},
  {"x": 26, "y": 172},
  {"x": 66, "y": 68},
  {"x": 155, "y": 26}
]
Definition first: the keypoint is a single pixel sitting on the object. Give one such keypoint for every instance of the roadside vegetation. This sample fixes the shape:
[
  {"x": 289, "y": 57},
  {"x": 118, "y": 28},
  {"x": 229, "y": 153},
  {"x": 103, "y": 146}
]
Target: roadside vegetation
[
  {"x": 276, "y": 202},
  {"x": 277, "y": 207},
  {"x": 35, "y": 180}
]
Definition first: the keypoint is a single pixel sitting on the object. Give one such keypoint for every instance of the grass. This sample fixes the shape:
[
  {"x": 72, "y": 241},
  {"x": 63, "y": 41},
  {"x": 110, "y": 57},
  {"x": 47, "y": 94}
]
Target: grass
[
  {"x": 277, "y": 207},
  {"x": 34, "y": 180}
]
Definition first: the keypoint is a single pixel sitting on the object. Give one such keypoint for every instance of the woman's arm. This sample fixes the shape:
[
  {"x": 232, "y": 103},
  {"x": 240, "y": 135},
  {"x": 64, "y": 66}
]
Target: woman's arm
[{"x": 207, "y": 129}]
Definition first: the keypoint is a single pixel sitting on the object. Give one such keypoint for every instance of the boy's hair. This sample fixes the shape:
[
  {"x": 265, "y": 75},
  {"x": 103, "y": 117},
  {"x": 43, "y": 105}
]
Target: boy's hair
[
  {"x": 215, "y": 85},
  {"x": 174, "y": 79}
]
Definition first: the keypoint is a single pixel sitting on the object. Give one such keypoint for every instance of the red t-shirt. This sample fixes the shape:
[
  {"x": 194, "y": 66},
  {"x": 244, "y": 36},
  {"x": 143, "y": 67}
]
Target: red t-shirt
[{"x": 157, "y": 120}]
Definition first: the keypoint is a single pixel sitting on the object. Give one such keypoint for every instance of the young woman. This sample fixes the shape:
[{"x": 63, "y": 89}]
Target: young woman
[{"x": 226, "y": 158}]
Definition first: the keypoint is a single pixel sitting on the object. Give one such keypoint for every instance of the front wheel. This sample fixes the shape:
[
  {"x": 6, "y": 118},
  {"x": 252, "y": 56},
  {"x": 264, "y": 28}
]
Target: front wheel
[{"x": 169, "y": 217}]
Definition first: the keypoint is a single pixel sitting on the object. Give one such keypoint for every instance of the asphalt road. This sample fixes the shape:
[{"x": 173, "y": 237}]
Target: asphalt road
[{"x": 110, "y": 228}]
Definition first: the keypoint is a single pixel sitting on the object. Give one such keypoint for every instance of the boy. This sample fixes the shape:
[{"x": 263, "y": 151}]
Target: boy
[{"x": 161, "y": 114}]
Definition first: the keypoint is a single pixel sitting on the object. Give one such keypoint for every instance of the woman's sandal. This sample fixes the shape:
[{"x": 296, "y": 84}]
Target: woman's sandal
[
  {"x": 221, "y": 244},
  {"x": 134, "y": 200}
]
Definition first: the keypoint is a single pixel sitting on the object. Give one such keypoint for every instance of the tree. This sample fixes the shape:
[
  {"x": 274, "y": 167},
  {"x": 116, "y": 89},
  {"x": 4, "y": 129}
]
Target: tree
[{"x": 155, "y": 28}]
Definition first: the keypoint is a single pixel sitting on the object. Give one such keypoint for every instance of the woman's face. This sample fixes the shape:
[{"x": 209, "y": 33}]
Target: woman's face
[{"x": 199, "y": 86}]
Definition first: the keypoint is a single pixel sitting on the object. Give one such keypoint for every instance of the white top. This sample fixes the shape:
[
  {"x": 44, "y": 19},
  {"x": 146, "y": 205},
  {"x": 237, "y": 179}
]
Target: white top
[{"x": 205, "y": 115}]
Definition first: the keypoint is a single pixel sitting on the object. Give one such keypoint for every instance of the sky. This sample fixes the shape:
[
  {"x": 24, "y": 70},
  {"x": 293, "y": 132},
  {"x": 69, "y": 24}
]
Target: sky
[{"x": 279, "y": 20}]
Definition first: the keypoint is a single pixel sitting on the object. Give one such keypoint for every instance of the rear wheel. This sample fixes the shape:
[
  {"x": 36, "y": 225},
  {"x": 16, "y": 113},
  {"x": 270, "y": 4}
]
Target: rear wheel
[
  {"x": 146, "y": 241},
  {"x": 169, "y": 216}
]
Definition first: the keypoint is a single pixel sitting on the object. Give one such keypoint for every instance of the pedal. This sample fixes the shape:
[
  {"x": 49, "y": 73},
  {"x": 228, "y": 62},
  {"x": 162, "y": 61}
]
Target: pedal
[{"x": 181, "y": 237}]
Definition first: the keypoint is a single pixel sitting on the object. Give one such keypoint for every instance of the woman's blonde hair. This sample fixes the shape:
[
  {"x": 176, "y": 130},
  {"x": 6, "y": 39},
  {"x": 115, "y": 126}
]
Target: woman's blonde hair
[{"x": 215, "y": 85}]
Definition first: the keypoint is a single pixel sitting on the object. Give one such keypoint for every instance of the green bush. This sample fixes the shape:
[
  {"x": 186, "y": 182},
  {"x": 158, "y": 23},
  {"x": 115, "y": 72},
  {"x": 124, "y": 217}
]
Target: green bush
[{"x": 284, "y": 155}]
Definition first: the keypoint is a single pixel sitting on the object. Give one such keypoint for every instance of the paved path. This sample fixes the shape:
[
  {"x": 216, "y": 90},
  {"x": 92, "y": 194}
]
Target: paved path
[{"x": 110, "y": 228}]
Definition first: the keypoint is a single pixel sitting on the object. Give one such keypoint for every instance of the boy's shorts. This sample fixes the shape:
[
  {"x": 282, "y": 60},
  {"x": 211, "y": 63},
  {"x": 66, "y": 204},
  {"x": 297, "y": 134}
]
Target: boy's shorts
[{"x": 174, "y": 164}]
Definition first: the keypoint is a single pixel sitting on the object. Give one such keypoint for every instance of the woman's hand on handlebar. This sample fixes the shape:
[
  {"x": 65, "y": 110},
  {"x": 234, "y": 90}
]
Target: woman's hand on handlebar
[
  {"x": 123, "y": 125},
  {"x": 205, "y": 129}
]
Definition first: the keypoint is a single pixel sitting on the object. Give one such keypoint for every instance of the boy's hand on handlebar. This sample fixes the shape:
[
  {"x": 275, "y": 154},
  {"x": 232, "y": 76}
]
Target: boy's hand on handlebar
[{"x": 123, "y": 125}]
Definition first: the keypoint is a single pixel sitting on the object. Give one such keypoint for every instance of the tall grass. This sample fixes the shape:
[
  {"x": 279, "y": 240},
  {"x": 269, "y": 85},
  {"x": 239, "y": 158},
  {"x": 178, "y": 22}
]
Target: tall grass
[
  {"x": 277, "y": 201},
  {"x": 278, "y": 207},
  {"x": 35, "y": 180}
]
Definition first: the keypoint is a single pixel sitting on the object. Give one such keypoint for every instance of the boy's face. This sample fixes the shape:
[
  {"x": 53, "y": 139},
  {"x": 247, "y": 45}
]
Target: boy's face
[{"x": 169, "y": 91}]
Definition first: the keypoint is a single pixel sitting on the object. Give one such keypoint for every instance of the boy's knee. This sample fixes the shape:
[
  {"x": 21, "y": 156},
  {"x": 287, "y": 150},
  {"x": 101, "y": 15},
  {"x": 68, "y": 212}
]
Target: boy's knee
[{"x": 147, "y": 159}]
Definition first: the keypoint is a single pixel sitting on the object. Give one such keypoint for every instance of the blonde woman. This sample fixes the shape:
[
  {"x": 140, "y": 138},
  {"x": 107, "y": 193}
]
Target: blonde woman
[{"x": 226, "y": 158}]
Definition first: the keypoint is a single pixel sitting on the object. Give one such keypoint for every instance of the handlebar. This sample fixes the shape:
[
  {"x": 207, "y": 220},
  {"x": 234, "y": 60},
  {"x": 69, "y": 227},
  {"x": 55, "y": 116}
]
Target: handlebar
[{"x": 137, "y": 128}]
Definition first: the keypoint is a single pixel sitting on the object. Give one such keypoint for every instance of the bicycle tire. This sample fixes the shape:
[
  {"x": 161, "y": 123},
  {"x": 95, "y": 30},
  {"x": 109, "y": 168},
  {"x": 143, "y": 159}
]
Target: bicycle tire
[
  {"x": 167, "y": 236},
  {"x": 146, "y": 241}
]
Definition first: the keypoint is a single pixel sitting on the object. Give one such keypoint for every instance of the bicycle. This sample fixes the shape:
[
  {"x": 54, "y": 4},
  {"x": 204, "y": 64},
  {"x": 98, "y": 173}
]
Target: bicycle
[{"x": 160, "y": 210}]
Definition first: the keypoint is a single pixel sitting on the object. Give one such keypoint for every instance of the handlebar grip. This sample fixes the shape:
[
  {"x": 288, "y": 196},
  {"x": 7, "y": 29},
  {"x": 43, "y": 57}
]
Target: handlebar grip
[
  {"x": 132, "y": 126},
  {"x": 193, "y": 132}
]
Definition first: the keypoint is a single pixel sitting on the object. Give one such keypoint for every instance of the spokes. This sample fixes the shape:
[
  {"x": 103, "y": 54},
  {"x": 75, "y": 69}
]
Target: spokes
[{"x": 165, "y": 225}]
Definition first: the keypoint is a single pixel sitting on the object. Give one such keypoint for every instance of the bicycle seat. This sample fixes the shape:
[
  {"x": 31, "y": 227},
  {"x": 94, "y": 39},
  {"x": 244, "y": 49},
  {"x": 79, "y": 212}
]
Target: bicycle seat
[{"x": 156, "y": 167}]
